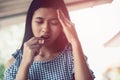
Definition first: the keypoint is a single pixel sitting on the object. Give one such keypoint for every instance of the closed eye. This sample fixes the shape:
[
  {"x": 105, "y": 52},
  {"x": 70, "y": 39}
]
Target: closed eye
[
  {"x": 54, "y": 22},
  {"x": 39, "y": 22}
]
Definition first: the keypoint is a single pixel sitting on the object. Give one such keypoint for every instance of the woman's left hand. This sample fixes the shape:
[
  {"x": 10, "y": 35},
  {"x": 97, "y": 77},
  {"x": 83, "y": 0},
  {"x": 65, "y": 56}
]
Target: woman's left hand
[{"x": 68, "y": 27}]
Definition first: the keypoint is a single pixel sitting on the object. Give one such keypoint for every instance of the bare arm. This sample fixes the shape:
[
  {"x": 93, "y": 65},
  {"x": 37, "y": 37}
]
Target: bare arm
[
  {"x": 23, "y": 69},
  {"x": 10, "y": 61},
  {"x": 81, "y": 70},
  {"x": 22, "y": 73},
  {"x": 31, "y": 47}
]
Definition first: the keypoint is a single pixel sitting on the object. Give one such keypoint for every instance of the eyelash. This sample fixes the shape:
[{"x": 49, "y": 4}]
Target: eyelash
[
  {"x": 39, "y": 22},
  {"x": 52, "y": 22}
]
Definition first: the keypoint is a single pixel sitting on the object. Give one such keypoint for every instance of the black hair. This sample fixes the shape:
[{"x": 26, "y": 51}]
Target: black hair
[{"x": 35, "y": 4}]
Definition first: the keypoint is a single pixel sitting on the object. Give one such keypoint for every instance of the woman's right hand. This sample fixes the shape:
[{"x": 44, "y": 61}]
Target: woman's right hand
[{"x": 31, "y": 48}]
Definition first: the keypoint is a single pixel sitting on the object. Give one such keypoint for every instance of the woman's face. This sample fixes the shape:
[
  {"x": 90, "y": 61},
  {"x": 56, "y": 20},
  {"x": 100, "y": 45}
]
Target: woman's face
[{"x": 45, "y": 23}]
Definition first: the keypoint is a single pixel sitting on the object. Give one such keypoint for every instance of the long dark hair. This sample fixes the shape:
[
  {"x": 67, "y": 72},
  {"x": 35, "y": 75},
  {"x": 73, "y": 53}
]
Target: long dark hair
[{"x": 35, "y": 4}]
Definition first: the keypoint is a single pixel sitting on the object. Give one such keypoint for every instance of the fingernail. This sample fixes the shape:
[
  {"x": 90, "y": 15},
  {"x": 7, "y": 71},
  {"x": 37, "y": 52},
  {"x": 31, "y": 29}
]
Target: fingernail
[{"x": 41, "y": 41}]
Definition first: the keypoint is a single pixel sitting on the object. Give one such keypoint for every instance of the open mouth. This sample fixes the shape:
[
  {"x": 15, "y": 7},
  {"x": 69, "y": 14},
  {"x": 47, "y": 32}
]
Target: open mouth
[{"x": 44, "y": 37}]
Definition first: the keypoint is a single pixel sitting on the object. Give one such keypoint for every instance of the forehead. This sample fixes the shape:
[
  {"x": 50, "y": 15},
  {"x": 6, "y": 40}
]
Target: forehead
[{"x": 45, "y": 12}]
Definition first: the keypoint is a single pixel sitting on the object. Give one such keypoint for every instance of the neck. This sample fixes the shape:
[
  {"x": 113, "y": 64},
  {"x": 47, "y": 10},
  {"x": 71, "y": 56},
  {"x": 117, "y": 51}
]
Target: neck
[
  {"x": 49, "y": 52},
  {"x": 50, "y": 49},
  {"x": 58, "y": 46}
]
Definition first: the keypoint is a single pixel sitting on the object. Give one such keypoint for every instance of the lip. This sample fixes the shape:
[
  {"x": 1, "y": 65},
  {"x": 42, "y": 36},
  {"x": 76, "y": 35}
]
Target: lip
[{"x": 44, "y": 37}]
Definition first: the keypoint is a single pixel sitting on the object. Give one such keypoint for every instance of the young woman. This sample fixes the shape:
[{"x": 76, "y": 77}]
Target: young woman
[{"x": 51, "y": 49}]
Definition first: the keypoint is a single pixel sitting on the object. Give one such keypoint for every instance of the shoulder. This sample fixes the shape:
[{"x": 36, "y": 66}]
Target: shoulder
[
  {"x": 15, "y": 56},
  {"x": 9, "y": 62}
]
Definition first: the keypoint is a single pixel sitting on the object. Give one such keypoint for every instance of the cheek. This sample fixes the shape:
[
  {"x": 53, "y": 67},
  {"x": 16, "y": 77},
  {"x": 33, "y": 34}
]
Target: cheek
[
  {"x": 57, "y": 31},
  {"x": 35, "y": 30}
]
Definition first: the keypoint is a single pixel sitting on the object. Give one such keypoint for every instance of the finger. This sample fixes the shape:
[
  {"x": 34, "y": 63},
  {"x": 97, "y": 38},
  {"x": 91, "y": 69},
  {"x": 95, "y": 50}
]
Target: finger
[
  {"x": 41, "y": 41},
  {"x": 33, "y": 41},
  {"x": 60, "y": 18},
  {"x": 35, "y": 46},
  {"x": 63, "y": 19}
]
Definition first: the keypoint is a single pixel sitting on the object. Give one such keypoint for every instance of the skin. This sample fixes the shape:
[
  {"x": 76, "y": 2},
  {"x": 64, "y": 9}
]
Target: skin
[
  {"x": 47, "y": 22},
  {"x": 81, "y": 70},
  {"x": 43, "y": 24}
]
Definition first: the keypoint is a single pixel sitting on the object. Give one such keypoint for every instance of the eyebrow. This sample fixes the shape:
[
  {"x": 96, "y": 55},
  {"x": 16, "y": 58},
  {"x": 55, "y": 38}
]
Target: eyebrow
[
  {"x": 39, "y": 18},
  {"x": 43, "y": 18}
]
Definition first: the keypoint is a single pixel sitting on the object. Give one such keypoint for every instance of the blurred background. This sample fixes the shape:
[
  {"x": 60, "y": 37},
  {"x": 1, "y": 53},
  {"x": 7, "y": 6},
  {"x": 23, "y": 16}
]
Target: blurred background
[{"x": 97, "y": 23}]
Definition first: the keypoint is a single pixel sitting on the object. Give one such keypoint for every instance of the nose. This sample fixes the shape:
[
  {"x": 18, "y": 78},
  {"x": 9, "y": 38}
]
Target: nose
[{"x": 45, "y": 28}]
